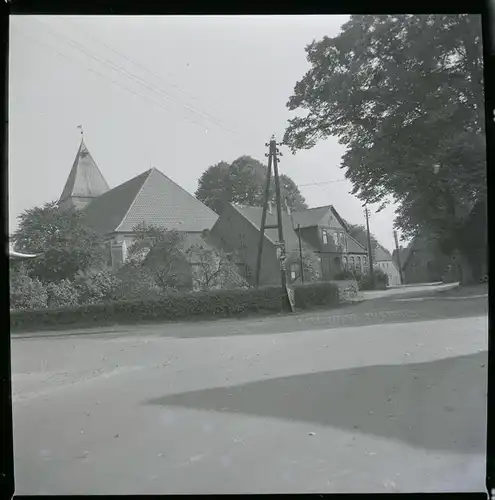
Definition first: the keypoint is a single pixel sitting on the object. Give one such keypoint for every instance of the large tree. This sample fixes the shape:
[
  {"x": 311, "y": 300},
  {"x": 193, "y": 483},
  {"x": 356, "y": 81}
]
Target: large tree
[
  {"x": 404, "y": 94},
  {"x": 66, "y": 243},
  {"x": 243, "y": 181}
]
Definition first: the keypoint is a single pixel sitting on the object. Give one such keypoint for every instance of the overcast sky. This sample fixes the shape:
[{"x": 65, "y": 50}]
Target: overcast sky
[{"x": 177, "y": 93}]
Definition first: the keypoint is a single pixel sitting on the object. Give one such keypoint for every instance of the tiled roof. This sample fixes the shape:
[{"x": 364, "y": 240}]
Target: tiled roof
[
  {"x": 253, "y": 214},
  {"x": 382, "y": 254},
  {"x": 85, "y": 179},
  {"x": 153, "y": 198},
  {"x": 353, "y": 246},
  {"x": 312, "y": 216}
]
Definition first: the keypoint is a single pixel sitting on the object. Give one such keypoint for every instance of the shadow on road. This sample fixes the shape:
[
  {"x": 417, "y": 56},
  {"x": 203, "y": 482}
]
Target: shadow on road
[{"x": 438, "y": 405}]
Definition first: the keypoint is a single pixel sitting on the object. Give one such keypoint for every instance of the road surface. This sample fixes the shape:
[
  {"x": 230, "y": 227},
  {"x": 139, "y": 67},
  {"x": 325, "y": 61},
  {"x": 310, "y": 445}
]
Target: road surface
[{"x": 385, "y": 396}]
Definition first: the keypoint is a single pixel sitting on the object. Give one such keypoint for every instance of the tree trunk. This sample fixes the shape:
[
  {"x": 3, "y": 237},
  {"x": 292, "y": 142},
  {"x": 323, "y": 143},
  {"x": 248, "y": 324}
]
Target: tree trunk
[{"x": 467, "y": 271}]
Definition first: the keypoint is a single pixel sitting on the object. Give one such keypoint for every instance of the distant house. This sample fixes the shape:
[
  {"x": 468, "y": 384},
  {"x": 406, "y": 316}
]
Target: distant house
[
  {"x": 383, "y": 260},
  {"x": 327, "y": 233},
  {"x": 150, "y": 197},
  {"x": 237, "y": 230},
  {"x": 423, "y": 263},
  {"x": 322, "y": 232}
]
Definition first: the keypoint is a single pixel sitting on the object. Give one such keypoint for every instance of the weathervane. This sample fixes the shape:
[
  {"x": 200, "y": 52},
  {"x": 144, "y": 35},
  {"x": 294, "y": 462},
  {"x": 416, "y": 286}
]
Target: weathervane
[{"x": 80, "y": 127}]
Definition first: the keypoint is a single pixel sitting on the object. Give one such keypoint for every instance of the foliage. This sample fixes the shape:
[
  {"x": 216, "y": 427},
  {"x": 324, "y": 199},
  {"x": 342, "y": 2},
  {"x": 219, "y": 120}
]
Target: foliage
[
  {"x": 213, "y": 269},
  {"x": 160, "y": 254},
  {"x": 378, "y": 282},
  {"x": 403, "y": 93},
  {"x": 66, "y": 243},
  {"x": 26, "y": 292},
  {"x": 62, "y": 293},
  {"x": 214, "y": 303},
  {"x": 346, "y": 274},
  {"x": 311, "y": 265},
  {"x": 243, "y": 182},
  {"x": 316, "y": 294},
  {"x": 136, "y": 283},
  {"x": 360, "y": 234},
  {"x": 94, "y": 287}
]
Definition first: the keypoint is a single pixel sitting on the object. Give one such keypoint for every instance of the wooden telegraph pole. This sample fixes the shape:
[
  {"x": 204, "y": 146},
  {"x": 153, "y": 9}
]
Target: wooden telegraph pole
[
  {"x": 398, "y": 258},
  {"x": 370, "y": 251},
  {"x": 272, "y": 160}
]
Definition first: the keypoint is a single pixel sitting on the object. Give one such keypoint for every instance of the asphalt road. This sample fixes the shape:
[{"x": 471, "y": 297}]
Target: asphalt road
[{"x": 385, "y": 396}]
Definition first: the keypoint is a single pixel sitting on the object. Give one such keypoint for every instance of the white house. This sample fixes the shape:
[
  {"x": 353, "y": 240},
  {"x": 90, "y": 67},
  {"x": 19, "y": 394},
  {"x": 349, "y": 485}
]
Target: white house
[{"x": 383, "y": 260}]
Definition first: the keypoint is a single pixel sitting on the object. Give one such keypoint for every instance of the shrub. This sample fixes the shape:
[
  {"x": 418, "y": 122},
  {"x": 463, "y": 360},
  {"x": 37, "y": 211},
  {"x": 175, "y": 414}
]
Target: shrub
[
  {"x": 347, "y": 275},
  {"x": 316, "y": 294},
  {"x": 217, "y": 303},
  {"x": 380, "y": 281},
  {"x": 62, "y": 294},
  {"x": 96, "y": 287},
  {"x": 26, "y": 292}
]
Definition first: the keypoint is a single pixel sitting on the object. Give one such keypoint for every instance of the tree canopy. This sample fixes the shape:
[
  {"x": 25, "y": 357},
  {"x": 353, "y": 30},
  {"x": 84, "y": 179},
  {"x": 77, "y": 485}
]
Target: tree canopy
[
  {"x": 67, "y": 244},
  {"x": 404, "y": 94},
  {"x": 243, "y": 181}
]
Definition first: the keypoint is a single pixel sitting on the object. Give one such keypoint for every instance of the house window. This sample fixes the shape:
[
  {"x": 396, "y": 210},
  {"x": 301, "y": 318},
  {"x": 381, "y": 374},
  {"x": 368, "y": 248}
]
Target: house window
[
  {"x": 358, "y": 263},
  {"x": 293, "y": 271},
  {"x": 324, "y": 236},
  {"x": 344, "y": 260},
  {"x": 351, "y": 263}
]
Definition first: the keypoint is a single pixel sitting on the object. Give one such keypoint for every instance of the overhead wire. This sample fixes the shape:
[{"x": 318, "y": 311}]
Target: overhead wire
[
  {"x": 144, "y": 68},
  {"x": 130, "y": 75},
  {"x": 40, "y": 43},
  {"x": 138, "y": 80}
]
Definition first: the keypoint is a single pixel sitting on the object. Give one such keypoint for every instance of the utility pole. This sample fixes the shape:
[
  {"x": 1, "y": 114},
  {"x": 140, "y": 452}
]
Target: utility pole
[
  {"x": 370, "y": 252},
  {"x": 263, "y": 218},
  {"x": 398, "y": 257},
  {"x": 272, "y": 160},
  {"x": 300, "y": 253}
]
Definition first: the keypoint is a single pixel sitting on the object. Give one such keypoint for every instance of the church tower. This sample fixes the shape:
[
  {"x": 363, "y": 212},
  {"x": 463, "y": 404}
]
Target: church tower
[{"x": 84, "y": 183}]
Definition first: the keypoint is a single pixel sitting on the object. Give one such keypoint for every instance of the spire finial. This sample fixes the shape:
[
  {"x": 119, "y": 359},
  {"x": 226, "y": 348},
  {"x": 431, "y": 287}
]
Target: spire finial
[{"x": 80, "y": 127}]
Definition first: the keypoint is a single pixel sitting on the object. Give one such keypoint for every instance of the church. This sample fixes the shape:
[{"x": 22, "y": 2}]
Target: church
[{"x": 150, "y": 197}]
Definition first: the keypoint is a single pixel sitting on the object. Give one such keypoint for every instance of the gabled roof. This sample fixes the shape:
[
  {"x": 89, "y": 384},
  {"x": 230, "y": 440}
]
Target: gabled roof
[
  {"x": 353, "y": 245},
  {"x": 253, "y": 215},
  {"x": 150, "y": 197},
  {"x": 382, "y": 254},
  {"x": 312, "y": 216},
  {"x": 85, "y": 179}
]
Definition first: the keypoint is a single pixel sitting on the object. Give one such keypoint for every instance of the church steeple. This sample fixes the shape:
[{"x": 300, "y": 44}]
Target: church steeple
[{"x": 85, "y": 180}]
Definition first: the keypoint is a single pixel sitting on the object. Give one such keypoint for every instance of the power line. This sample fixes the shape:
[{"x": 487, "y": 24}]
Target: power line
[
  {"x": 320, "y": 183},
  {"x": 139, "y": 65},
  {"x": 44, "y": 45},
  {"x": 129, "y": 75}
]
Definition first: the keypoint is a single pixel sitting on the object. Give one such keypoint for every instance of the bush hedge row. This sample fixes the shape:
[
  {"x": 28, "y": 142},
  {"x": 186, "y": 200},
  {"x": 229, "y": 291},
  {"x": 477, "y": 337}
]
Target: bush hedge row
[{"x": 216, "y": 303}]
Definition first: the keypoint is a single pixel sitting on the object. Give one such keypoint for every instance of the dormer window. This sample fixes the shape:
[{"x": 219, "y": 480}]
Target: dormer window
[{"x": 324, "y": 236}]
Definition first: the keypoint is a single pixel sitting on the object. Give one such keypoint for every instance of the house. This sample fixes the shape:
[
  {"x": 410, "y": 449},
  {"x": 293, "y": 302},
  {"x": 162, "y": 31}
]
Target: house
[
  {"x": 423, "y": 263},
  {"x": 327, "y": 233},
  {"x": 150, "y": 197},
  {"x": 322, "y": 233},
  {"x": 237, "y": 230},
  {"x": 383, "y": 260}
]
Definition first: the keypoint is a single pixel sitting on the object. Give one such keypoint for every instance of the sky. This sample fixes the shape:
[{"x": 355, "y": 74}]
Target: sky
[{"x": 175, "y": 93}]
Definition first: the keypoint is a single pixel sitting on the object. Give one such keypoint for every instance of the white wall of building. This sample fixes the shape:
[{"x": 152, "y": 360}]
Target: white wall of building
[{"x": 390, "y": 269}]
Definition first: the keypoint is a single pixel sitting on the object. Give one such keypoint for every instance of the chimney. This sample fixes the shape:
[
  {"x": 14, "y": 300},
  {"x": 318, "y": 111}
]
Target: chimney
[{"x": 269, "y": 207}]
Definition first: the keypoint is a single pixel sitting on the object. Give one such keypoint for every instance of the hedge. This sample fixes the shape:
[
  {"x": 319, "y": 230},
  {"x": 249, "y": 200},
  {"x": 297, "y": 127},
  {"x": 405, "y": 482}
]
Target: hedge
[
  {"x": 215, "y": 303},
  {"x": 316, "y": 294}
]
